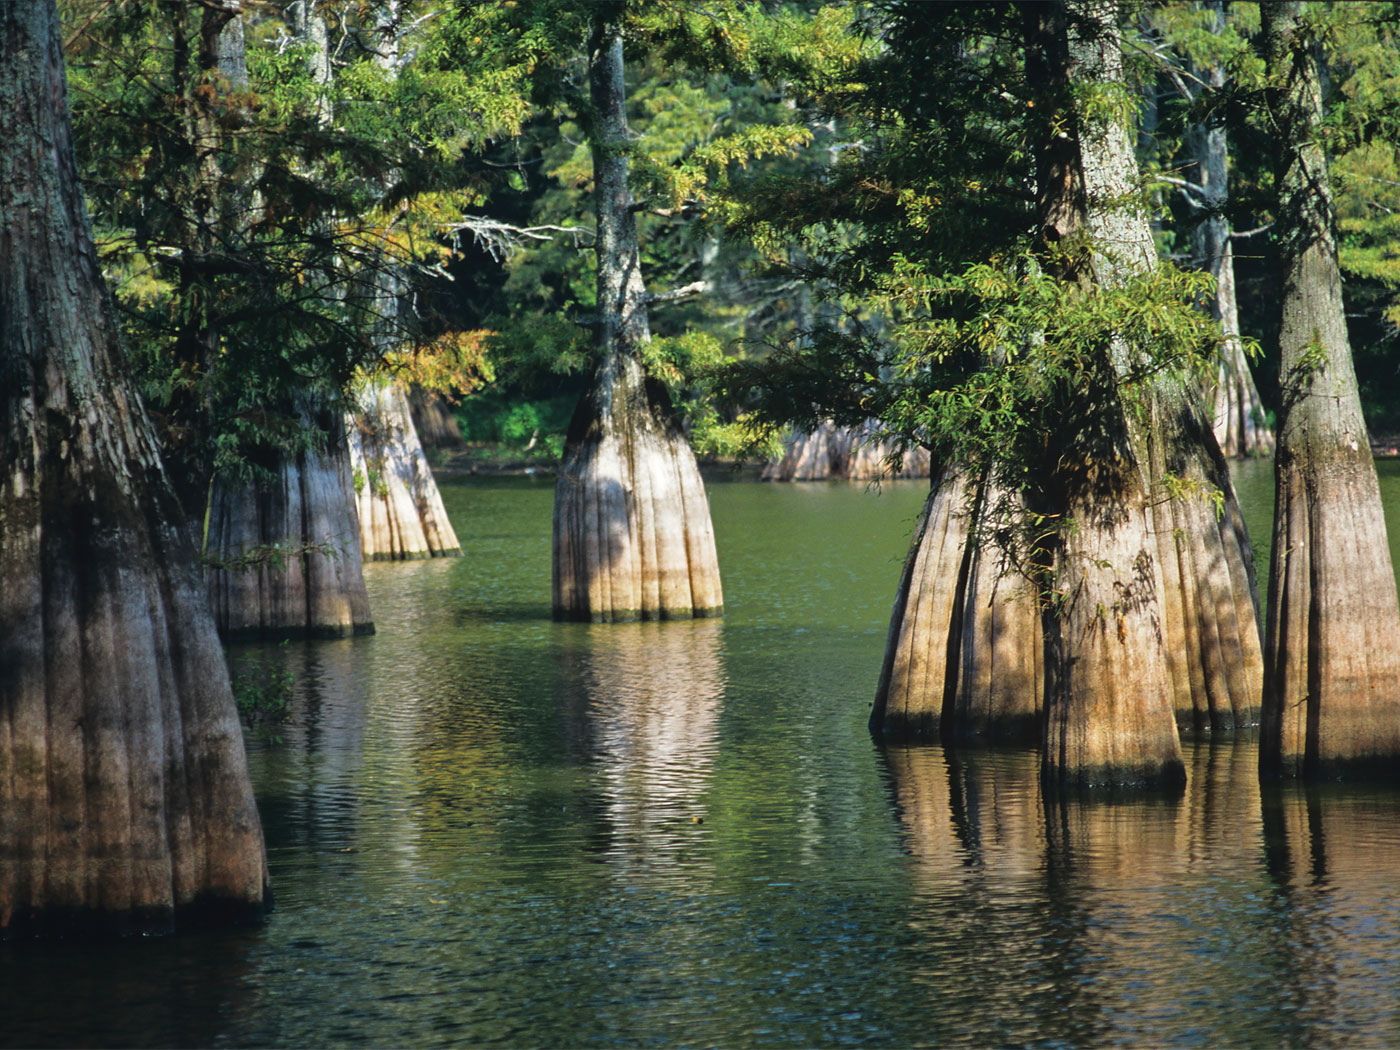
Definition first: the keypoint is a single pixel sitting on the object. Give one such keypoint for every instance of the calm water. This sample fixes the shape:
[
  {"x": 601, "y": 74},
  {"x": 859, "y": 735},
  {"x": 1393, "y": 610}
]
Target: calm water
[{"x": 489, "y": 829}]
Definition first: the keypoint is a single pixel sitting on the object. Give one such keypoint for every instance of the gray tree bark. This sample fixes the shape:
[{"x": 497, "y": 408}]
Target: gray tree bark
[
  {"x": 632, "y": 532},
  {"x": 400, "y": 508},
  {"x": 1332, "y": 644},
  {"x": 1238, "y": 416},
  {"x": 829, "y": 452},
  {"x": 125, "y": 803}
]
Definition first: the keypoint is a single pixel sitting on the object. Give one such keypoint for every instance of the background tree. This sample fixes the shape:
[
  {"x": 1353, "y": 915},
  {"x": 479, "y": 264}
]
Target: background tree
[{"x": 126, "y": 804}]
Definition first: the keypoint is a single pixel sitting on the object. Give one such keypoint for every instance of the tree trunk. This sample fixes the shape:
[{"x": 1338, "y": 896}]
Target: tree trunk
[
  {"x": 125, "y": 803},
  {"x": 1238, "y": 414},
  {"x": 964, "y": 659},
  {"x": 1332, "y": 672},
  {"x": 830, "y": 452},
  {"x": 286, "y": 552},
  {"x": 1109, "y": 703},
  {"x": 400, "y": 509},
  {"x": 632, "y": 533},
  {"x": 433, "y": 420}
]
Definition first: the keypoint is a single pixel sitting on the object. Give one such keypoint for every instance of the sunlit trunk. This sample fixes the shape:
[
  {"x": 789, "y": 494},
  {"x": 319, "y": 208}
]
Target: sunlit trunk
[
  {"x": 1332, "y": 672},
  {"x": 632, "y": 532},
  {"x": 1238, "y": 412},
  {"x": 125, "y": 804},
  {"x": 400, "y": 509},
  {"x": 964, "y": 658},
  {"x": 829, "y": 452}
]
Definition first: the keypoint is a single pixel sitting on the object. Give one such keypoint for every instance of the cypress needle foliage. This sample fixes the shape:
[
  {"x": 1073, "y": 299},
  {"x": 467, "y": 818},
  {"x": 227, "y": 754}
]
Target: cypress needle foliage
[
  {"x": 964, "y": 327},
  {"x": 249, "y": 183}
]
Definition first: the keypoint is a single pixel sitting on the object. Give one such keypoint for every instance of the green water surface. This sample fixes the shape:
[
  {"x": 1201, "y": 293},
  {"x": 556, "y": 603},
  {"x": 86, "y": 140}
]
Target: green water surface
[{"x": 486, "y": 828}]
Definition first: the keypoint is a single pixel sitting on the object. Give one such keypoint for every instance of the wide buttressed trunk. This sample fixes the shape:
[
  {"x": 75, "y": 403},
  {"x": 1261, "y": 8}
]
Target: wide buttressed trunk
[
  {"x": 632, "y": 532},
  {"x": 400, "y": 509},
  {"x": 964, "y": 659},
  {"x": 284, "y": 551},
  {"x": 830, "y": 452},
  {"x": 125, "y": 803},
  {"x": 1332, "y": 648}
]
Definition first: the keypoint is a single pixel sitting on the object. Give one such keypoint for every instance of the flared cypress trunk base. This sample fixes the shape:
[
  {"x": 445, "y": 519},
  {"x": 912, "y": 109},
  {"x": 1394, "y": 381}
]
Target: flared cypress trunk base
[
  {"x": 397, "y": 499},
  {"x": 632, "y": 532},
  {"x": 1332, "y": 689},
  {"x": 842, "y": 453},
  {"x": 287, "y": 553},
  {"x": 964, "y": 658},
  {"x": 1109, "y": 715}
]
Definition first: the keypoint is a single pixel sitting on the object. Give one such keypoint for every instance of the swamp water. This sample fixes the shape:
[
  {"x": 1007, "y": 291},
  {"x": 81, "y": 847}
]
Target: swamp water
[{"x": 489, "y": 829}]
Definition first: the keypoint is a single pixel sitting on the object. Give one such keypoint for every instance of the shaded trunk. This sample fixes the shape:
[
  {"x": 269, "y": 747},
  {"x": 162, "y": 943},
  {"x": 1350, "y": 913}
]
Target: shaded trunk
[
  {"x": 847, "y": 453},
  {"x": 964, "y": 659},
  {"x": 1332, "y": 672},
  {"x": 286, "y": 552},
  {"x": 632, "y": 532},
  {"x": 400, "y": 509},
  {"x": 125, "y": 803},
  {"x": 433, "y": 419}
]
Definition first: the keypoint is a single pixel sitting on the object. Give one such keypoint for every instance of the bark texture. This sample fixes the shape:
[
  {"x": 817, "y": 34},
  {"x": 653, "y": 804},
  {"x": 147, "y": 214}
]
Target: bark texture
[
  {"x": 1238, "y": 412},
  {"x": 125, "y": 804},
  {"x": 400, "y": 509},
  {"x": 964, "y": 659},
  {"x": 287, "y": 552},
  {"x": 847, "y": 453},
  {"x": 433, "y": 419},
  {"x": 632, "y": 532},
  {"x": 1332, "y": 672},
  {"x": 1109, "y": 703}
]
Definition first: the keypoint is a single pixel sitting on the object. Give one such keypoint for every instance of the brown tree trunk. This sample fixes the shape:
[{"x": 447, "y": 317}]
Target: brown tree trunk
[
  {"x": 433, "y": 419},
  {"x": 285, "y": 553},
  {"x": 125, "y": 803},
  {"x": 400, "y": 509},
  {"x": 1332, "y": 671},
  {"x": 632, "y": 532},
  {"x": 830, "y": 452},
  {"x": 964, "y": 659},
  {"x": 1109, "y": 703}
]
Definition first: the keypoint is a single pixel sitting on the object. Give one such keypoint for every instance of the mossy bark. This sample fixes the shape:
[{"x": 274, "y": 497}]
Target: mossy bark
[
  {"x": 400, "y": 509},
  {"x": 829, "y": 452},
  {"x": 632, "y": 532},
  {"x": 285, "y": 553},
  {"x": 1332, "y": 646},
  {"x": 125, "y": 804}
]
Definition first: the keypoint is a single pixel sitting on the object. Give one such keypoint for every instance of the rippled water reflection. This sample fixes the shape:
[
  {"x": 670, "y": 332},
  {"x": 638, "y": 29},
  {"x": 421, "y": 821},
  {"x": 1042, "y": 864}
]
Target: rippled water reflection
[{"x": 489, "y": 829}]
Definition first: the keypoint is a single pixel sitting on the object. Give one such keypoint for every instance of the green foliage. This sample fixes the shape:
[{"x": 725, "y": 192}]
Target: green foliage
[{"x": 262, "y": 692}]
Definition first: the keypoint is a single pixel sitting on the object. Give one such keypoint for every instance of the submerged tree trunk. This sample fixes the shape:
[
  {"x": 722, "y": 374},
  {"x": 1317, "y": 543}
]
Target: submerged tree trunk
[
  {"x": 1332, "y": 673},
  {"x": 632, "y": 532},
  {"x": 848, "y": 453},
  {"x": 400, "y": 509},
  {"x": 285, "y": 553},
  {"x": 125, "y": 803},
  {"x": 964, "y": 659}
]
